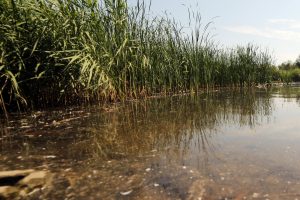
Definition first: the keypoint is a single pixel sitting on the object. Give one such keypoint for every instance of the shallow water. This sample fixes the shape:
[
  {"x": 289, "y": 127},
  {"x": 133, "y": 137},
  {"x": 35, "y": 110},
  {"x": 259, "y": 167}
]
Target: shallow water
[{"x": 233, "y": 144}]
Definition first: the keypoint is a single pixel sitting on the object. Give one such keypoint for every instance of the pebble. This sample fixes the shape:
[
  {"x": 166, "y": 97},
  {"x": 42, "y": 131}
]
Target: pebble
[
  {"x": 23, "y": 127},
  {"x": 255, "y": 195},
  {"x": 126, "y": 193},
  {"x": 50, "y": 156},
  {"x": 148, "y": 169},
  {"x": 156, "y": 184}
]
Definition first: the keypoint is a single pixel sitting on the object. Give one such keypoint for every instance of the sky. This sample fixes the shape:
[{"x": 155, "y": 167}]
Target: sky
[{"x": 270, "y": 24}]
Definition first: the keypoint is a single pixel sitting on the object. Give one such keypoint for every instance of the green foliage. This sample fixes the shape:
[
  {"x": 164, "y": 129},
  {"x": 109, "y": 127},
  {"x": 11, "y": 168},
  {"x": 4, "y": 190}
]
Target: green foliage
[
  {"x": 287, "y": 65},
  {"x": 292, "y": 75},
  {"x": 57, "y": 52}
]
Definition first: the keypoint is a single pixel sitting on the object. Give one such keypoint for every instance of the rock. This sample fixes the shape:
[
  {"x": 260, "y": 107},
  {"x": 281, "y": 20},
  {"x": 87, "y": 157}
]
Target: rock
[
  {"x": 10, "y": 178},
  {"x": 148, "y": 170},
  {"x": 126, "y": 193},
  {"x": 50, "y": 156},
  {"x": 7, "y": 192},
  {"x": 36, "y": 179},
  {"x": 34, "y": 194},
  {"x": 13, "y": 173},
  {"x": 23, "y": 183},
  {"x": 255, "y": 195}
]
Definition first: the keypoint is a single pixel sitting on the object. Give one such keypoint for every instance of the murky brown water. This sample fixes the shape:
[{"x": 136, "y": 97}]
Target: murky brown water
[{"x": 223, "y": 145}]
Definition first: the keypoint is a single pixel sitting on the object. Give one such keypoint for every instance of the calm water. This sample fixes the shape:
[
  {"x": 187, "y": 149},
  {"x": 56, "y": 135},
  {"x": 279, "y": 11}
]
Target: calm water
[{"x": 223, "y": 145}]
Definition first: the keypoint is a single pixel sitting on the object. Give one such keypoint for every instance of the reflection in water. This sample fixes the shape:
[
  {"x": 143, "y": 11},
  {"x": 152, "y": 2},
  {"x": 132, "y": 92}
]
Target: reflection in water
[
  {"x": 176, "y": 125},
  {"x": 234, "y": 144}
]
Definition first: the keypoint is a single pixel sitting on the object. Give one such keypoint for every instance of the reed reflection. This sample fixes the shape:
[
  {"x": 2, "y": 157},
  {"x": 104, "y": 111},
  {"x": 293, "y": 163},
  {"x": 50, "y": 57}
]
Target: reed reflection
[{"x": 178, "y": 128}]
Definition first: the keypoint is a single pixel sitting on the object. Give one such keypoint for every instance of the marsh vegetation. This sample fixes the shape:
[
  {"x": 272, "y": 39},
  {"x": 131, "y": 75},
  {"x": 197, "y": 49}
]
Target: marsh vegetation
[
  {"x": 59, "y": 52},
  {"x": 289, "y": 71}
]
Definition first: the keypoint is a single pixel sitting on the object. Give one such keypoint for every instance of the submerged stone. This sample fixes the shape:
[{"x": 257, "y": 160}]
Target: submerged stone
[
  {"x": 12, "y": 173},
  {"x": 126, "y": 193},
  {"x": 23, "y": 183},
  {"x": 7, "y": 192},
  {"x": 10, "y": 178},
  {"x": 36, "y": 179}
]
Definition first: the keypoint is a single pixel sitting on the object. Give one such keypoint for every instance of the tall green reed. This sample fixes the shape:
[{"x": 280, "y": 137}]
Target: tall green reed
[{"x": 58, "y": 52}]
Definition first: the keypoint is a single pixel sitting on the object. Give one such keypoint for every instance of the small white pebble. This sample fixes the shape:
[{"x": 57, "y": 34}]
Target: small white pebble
[
  {"x": 255, "y": 195},
  {"x": 222, "y": 178},
  {"x": 126, "y": 193},
  {"x": 148, "y": 169},
  {"x": 25, "y": 127},
  {"x": 156, "y": 184},
  {"x": 50, "y": 156},
  {"x": 183, "y": 167}
]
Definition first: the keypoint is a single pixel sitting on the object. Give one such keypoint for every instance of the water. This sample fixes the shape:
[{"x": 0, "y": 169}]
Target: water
[{"x": 233, "y": 144}]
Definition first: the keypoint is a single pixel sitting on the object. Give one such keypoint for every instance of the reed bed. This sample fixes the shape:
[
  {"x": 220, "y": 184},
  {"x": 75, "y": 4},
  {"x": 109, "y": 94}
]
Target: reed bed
[{"x": 61, "y": 52}]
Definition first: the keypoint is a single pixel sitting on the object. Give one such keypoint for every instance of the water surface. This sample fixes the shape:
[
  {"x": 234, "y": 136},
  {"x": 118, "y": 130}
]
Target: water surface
[{"x": 229, "y": 144}]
